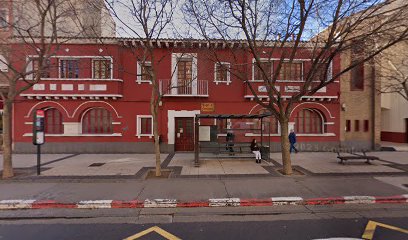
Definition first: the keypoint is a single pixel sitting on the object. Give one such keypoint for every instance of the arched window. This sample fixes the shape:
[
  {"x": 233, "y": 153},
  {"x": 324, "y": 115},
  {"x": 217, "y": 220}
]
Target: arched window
[
  {"x": 309, "y": 121},
  {"x": 97, "y": 121},
  {"x": 53, "y": 121},
  {"x": 270, "y": 121}
]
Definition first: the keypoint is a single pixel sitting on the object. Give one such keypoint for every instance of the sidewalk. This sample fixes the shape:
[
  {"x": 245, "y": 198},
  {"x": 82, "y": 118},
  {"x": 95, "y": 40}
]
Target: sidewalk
[
  {"x": 136, "y": 165},
  {"x": 103, "y": 180},
  {"x": 200, "y": 192},
  {"x": 403, "y": 147}
]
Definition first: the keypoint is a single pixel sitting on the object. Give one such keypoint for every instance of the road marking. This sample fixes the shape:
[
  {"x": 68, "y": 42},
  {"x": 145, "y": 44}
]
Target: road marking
[
  {"x": 156, "y": 229},
  {"x": 371, "y": 226}
]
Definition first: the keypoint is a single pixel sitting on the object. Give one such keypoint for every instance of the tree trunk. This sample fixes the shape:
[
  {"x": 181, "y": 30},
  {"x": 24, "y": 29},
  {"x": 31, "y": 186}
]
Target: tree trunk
[
  {"x": 154, "y": 111},
  {"x": 7, "y": 158},
  {"x": 285, "y": 146}
]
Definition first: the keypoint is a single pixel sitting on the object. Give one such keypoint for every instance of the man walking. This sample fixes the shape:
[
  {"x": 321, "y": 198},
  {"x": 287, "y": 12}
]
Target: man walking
[{"x": 292, "y": 140}]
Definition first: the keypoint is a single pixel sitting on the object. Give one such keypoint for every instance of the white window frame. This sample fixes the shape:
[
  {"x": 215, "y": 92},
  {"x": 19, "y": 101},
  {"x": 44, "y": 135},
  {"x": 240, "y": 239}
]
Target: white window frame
[
  {"x": 139, "y": 72},
  {"x": 301, "y": 74},
  {"x": 228, "y": 72},
  {"x": 3, "y": 64},
  {"x": 7, "y": 18},
  {"x": 139, "y": 126},
  {"x": 59, "y": 66},
  {"x": 176, "y": 57},
  {"x": 253, "y": 68},
  {"x": 323, "y": 133},
  {"x": 30, "y": 66},
  {"x": 109, "y": 58}
]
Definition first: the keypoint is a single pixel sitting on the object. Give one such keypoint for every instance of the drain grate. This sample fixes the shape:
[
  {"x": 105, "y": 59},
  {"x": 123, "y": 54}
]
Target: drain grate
[{"x": 97, "y": 164}]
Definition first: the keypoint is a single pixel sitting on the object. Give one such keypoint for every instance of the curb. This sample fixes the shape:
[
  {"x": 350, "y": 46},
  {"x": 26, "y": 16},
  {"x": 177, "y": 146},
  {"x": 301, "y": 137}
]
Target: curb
[{"x": 213, "y": 202}]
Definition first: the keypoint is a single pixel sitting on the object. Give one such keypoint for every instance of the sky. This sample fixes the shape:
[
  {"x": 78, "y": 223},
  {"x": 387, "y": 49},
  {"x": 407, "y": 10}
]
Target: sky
[{"x": 127, "y": 25}]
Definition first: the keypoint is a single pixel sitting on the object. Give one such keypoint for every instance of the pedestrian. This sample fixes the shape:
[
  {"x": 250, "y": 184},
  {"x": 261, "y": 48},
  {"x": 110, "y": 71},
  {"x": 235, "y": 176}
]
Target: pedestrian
[
  {"x": 292, "y": 140},
  {"x": 255, "y": 150},
  {"x": 230, "y": 142}
]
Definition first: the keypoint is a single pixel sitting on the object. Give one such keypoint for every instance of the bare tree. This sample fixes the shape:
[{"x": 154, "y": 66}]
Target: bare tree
[
  {"x": 319, "y": 30},
  {"x": 393, "y": 74},
  {"x": 33, "y": 28},
  {"x": 147, "y": 20}
]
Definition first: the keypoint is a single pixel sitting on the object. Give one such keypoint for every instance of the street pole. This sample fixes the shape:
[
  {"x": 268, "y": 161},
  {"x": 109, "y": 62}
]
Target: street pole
[{"x": 38, "y": 159}]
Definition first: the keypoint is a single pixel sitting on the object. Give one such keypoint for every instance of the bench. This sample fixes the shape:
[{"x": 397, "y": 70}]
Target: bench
[
  {"x": 236, "y": 147},
  {"x": 356, "y": 156},
  {"x": 241, "y": 150}
]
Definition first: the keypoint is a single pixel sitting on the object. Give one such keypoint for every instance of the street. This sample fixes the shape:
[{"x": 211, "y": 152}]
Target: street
[{"x": 278, "y": 222}]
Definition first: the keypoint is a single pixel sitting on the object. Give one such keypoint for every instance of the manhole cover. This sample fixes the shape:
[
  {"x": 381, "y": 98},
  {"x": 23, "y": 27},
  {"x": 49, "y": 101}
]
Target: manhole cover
[{"x": 98, "y": 164}]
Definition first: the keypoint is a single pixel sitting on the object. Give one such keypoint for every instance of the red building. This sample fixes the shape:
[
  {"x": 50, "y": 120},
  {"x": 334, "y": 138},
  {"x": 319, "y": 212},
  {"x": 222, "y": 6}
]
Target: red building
[{"x": 96, "y": 97}]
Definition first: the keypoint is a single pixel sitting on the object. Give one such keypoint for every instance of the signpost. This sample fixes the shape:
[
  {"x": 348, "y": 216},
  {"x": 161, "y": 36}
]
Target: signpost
[{"x": 38, "y": 134}]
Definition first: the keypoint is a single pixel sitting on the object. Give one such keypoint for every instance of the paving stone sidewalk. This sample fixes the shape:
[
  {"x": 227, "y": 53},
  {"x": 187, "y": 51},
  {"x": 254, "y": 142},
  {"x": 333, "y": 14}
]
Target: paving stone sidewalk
[
  {"x": 136, "y": 165},
  {"x": 71, "y": 178}
]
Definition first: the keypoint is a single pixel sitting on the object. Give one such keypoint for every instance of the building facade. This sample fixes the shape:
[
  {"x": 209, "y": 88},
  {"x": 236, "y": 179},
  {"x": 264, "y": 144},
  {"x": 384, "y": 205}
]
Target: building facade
[
  {"x": 392, "y": 74},
  {"x": 360, "y": 115},
  {"x": 97, "y": 97}
]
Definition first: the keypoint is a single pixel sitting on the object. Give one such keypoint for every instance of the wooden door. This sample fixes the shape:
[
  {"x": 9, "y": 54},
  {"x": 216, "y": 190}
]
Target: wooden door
[
  {"x": 184, "y": 134},
  {"x": 184, "y": 76},
  {"x": 406, "y": 130}
]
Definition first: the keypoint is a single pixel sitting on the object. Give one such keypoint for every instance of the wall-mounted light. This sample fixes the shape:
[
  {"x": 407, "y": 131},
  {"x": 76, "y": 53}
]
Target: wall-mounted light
[{"x": 343, "y": 107}]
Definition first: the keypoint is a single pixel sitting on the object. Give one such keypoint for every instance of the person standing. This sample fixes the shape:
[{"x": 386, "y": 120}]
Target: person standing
[
  {"x": 230, "y": 142},
  {"x": 292, "y": 140},
  {"x": 255, "y": 150}
]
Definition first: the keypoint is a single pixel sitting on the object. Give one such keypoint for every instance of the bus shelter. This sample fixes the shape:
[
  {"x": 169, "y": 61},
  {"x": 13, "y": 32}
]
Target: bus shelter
[{"x": 217, "y": 133}]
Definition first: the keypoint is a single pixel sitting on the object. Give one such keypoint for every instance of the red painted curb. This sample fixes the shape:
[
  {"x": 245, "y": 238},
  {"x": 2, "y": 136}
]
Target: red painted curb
[
  {"x": 49, "y": 204},
  {"x": 256, "y": 202},
  {"x": 324, "y": 201},
  {"x": 46, "y": 204},
  {"x": 391, "y": 199}
]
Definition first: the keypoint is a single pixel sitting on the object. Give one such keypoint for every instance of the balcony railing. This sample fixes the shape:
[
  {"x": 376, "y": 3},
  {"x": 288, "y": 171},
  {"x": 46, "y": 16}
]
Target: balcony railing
[
  {"x": 57, "y": 88},
  {"x": 195, "y": 88}
]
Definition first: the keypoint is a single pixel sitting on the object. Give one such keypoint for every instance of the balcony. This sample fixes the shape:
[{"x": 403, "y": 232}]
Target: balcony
[
  {"x": 57, "y": 88},
  {"x": 195, "y": 88}
]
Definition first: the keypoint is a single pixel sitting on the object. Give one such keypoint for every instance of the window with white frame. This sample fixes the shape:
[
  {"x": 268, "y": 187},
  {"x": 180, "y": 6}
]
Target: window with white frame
[
  {"x": 3, "y": 64},
  {"x": 222, "y": 73},
  {"x": 184, "y": 73},
  {"x": 44, "y": 72},
  {"x": 69, "y": 68},
  {"x": 321, "y": 69},
  {"x": 101, "y": 68},
  {"x": 144, "y": 72},
  {"x": 97, "y": 121},
  {"x": 291, "y": 71},
  {"x": 263, "y": 71},
  {"x": 144, "y": 126},
  {"x": 4, "y": 18}
]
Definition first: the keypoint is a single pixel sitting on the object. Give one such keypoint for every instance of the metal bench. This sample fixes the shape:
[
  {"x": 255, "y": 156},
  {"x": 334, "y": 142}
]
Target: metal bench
[
  {"x": 236, "y": 147},
  {"x": 356, "y": 156}
]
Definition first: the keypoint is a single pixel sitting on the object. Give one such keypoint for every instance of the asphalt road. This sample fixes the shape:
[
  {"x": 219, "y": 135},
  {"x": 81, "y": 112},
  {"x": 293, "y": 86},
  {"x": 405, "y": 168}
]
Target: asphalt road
[{"x": 291, "y": 229}]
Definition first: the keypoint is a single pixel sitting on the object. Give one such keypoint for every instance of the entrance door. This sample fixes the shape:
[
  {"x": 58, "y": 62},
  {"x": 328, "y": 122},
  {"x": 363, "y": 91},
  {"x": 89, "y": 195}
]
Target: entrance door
[
  {"x": 184, "y": 76},
  {"x": 406, "y": 130},
  {"x": 184, "y": 134}
]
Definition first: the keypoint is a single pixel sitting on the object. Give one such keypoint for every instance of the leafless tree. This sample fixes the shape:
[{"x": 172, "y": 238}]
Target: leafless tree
[
  {"x": 33, "y": 28},
  {"x": 393, "y": 71},
  {"x": 319, "y": 30},
  {"x": 148, "y": 21}
]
